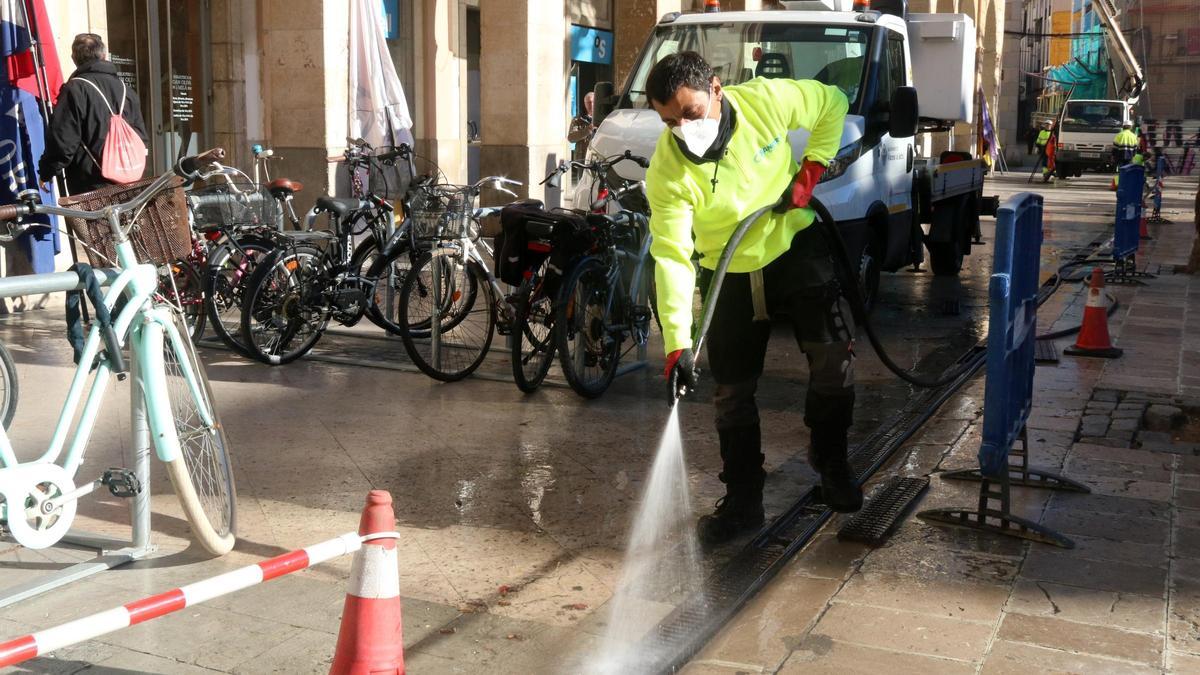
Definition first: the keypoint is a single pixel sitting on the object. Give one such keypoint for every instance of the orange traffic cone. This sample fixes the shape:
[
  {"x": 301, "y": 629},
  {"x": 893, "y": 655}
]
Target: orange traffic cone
[
  {"x": 1093, "y": 334},
  {"x": 370, "y": 639}
]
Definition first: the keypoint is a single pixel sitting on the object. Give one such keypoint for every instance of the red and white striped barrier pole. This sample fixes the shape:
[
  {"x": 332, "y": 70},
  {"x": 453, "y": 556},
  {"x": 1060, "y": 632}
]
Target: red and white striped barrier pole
[{"x": 45, "y": 641}]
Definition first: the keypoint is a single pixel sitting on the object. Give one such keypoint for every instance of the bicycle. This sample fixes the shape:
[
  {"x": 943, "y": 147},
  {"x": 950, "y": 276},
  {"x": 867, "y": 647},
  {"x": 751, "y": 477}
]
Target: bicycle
[
  {"x": 318, "y": 275},
  {"x": 450, "y": 301},
  {"x": 608, "y": 295},
  {"x": 9, "y": 389},
  {"x": 40, "y": 496},
  {"x": 236, "y": 222}
]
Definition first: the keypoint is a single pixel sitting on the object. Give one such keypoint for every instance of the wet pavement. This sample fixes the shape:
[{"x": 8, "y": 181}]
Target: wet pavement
[
  {"x": 939, "y": 600},
  {"x": 513, "y": 510}
]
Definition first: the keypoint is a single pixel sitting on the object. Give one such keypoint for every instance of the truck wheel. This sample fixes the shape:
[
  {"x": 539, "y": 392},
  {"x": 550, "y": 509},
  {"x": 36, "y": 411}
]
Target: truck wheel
[{"x": 946, "y": 257}]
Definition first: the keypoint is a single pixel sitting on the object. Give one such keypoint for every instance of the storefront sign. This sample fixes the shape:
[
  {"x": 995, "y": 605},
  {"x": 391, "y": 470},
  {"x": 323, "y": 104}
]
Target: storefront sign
[
  {"x": 182, "y": 103},
  {"x": 591, "y": 45},
  {"x": 126, "y": 70},
  {"x": 391, "y": 19}
]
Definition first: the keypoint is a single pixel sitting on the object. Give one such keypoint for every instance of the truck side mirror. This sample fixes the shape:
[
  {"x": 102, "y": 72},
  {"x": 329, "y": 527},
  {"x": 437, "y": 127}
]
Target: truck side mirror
[
  {"x": 903, "y": 113},
  {"x": 606, "y": 100}
]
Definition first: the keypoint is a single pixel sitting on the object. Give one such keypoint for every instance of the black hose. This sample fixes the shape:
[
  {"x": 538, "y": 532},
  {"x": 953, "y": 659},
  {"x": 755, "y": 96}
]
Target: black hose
[{"x": 854, "y": 294}]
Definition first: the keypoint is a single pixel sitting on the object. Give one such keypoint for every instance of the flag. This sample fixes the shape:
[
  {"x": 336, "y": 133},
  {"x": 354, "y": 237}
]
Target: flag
[
  {"x": 24, "y": 24},
  {"x": 987, "y": 131},
  {"x": 14, "y": 28},
  {"x": 21, "y": 66},
  {"x": 378, "y": 107},
  {"x": 22, "y": 141}
]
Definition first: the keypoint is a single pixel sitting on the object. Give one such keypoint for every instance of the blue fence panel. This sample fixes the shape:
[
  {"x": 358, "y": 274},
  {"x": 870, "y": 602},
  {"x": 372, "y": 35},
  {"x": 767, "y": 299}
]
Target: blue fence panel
[
  {"x": 1126, "y": 233},
  {"x": 1012, "y": 328}
]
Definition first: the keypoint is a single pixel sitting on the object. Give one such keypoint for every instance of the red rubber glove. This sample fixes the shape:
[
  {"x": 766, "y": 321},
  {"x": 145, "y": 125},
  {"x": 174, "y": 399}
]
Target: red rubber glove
[
  {"x": 683, "y": 362},
  {"x": 672, "y": 359},
  {"x": 800, "y": 192}
]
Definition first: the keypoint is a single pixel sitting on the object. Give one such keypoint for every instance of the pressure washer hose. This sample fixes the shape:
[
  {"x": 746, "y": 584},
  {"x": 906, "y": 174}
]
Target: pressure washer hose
[
  {"x": 859, "y": 308},
  {"x": 853, "y": 294}
]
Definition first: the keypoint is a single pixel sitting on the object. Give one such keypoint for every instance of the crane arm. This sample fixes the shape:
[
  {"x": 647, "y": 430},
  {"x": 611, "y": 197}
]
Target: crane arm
[{"x": 1135, "y": 80}]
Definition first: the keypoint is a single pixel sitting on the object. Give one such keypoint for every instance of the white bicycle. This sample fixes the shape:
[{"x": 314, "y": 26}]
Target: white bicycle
[{"x": 40, "y": 496}]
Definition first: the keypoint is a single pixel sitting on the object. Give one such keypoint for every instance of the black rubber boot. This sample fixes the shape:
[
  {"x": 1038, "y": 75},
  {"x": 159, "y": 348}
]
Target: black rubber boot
[
  {"x": 741, "y": 509},
  {"x": 827, "y": 454}
]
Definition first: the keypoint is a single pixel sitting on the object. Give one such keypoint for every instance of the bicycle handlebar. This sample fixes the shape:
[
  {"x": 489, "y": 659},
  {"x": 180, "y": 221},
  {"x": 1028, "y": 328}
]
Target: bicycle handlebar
[
  {"x": 188, "y": 166},
  {"x": 13, "y": 211}
]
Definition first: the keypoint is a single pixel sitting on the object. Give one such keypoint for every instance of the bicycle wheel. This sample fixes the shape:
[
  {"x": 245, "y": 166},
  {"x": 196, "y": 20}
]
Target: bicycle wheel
[
  {"x": 185, "y": 290},
  {"x": 387, "y": 273},
  {"x": 452, "y": 299},
  {"x": 229, "y": 270},
  {"x": 202, "y": 474},
  {"x": 285, "y": 311},
  {"x": 587, "y": 351},
  {"x": 8, "y": 386},
  {"x": 532, "y": 341}
]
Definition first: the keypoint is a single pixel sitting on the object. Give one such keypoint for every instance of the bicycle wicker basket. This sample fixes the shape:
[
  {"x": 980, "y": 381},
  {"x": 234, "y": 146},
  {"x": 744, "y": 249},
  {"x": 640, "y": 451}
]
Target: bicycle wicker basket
[
  {"x": 440, "y": 214},
  {"x": 160, "y": 234}
]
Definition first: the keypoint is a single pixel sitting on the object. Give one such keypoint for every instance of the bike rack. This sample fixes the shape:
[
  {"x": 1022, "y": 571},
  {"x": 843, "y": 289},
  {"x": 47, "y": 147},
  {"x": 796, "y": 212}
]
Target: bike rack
[{"x": 110, "y": 552}]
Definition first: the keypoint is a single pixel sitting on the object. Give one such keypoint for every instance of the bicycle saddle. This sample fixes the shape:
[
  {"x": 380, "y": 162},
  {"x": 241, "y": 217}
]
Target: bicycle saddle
[
  {"x": 340, "y": 206},
  {"x": 281, "y": 187}
]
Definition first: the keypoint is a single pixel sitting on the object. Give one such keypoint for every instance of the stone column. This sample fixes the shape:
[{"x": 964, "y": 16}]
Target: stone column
[
  {"x": 523, "y": 72},
  {"x": 441, "y": 101},
  {"x": 632, "y": 23},
  {"x": 305, "y": 48},
  {"x": 229, "y": 81}
]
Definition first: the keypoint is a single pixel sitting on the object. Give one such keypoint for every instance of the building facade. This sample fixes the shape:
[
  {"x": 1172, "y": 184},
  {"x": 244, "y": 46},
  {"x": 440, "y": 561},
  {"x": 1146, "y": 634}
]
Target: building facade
[
  {"x": 491, "y": 84},
  {"x": 1165, "y": 35}
]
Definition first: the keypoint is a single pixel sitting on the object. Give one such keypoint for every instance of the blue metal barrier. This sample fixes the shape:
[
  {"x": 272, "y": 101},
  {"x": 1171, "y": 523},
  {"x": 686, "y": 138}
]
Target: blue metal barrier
[
  {"x": 1131, "y": 178},
  {"x": 1012, "y": 329}
]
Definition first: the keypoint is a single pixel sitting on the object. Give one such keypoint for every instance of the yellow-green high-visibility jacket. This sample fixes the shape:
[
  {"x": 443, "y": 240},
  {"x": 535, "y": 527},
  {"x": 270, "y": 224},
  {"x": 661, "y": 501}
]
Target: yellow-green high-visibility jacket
[
  {"x": 1125, "y": 139},
  {"x": 691, "y": 212},
  {"x": 1043, "y": 138}
]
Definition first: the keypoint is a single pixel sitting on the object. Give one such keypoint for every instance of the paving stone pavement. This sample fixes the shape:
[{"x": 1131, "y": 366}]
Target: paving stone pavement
[{"x": 1125, "y": 599}]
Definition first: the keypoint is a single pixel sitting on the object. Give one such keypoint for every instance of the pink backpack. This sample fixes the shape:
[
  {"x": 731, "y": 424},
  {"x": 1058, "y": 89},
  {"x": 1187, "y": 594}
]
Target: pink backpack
[{"x": 123, "y": 158}]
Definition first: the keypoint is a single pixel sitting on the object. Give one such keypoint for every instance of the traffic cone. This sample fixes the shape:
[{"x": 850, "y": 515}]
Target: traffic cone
[
  {"x": 370, "y": 639},
  {"x": 1093, "y": 334}
]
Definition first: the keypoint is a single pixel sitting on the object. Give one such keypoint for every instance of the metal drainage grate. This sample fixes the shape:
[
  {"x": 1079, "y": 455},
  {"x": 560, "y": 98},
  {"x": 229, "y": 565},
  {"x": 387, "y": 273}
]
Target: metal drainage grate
[
  {"x": 693, "y": 623},
  {"x": 874, "y": 523},
  {"x": 1045, "y": 351}
]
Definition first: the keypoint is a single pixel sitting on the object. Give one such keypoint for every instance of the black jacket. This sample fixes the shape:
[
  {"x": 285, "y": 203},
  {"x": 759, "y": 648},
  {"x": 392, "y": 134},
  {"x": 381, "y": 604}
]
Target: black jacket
[{"x": 81, "y": 118}]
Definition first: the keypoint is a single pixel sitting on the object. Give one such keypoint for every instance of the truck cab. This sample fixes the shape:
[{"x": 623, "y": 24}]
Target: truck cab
[
  {"x": 871, "y": 186},
  {"x": 1085, "y": 136}
]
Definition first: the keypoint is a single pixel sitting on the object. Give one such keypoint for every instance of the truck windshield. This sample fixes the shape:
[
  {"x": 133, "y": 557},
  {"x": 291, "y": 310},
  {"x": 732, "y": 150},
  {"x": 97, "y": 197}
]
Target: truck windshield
[
  {"x": 742, "y": 51},
  {"x": 1097, "y": 116}
]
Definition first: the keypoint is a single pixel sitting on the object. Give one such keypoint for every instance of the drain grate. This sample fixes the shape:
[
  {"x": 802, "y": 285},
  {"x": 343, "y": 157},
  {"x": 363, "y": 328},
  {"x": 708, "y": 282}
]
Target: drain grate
[
  {"x": 1045, "y": 351},
  {"x": 875, "y": 522},
  {"x": 691, "y": 624}
]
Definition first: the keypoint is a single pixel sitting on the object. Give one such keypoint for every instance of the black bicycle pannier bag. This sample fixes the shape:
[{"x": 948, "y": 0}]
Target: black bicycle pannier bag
[{"x": 524, "y": 241}]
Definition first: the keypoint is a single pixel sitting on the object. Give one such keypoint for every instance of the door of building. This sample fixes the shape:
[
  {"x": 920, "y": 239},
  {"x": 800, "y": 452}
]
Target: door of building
[{"x": 160, "y": 49}]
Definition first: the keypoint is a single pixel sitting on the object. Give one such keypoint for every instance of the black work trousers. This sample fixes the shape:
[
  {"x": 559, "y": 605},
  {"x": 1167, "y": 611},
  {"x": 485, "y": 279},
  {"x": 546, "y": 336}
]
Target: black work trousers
[{"x": 802, "y": 282}]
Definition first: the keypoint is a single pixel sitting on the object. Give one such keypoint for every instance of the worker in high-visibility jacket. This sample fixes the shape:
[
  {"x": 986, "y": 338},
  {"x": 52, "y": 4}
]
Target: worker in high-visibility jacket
[
  {"x": 1125, "y": 145},
  {"x": 724, "y": 155},
  {"x": 1045, "y": 146}
]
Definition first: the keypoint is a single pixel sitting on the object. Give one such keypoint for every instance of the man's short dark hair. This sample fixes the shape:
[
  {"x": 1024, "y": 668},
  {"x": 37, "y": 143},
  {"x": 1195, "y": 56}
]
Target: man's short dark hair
[
  {"x": 682, "y": 69},
  {"x": 86, "y": 48}
]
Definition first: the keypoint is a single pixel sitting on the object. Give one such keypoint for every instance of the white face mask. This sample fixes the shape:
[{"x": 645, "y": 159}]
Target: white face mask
[{"x": 699, "y": 135}]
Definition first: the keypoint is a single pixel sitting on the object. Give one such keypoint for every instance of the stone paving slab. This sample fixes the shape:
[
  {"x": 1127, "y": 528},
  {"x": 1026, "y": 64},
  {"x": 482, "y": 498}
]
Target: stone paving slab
[{"x": 1126, "y": 599}]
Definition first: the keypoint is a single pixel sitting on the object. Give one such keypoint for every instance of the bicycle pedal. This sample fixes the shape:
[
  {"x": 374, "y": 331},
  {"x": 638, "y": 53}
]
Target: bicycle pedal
[{"x": 122, "y": 483}]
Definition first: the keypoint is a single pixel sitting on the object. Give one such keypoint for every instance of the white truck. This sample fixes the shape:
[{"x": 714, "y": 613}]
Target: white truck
[
  {"x": 887, "y": 200},
  {"x": 1085, "y": 135}
]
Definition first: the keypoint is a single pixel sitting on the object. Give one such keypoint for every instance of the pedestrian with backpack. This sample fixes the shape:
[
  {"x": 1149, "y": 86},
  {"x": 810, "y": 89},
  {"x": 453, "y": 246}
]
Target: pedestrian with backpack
[{"x": 96, "y": 134}]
